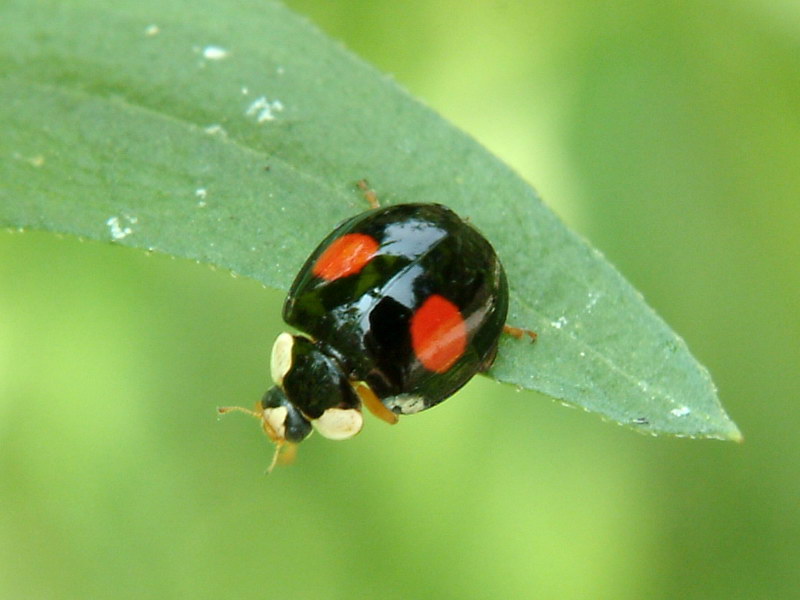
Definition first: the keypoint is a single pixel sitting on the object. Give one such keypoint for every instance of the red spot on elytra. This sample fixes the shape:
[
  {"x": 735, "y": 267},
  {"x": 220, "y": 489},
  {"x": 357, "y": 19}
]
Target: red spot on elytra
[
  {"x": 347, "y": 255},
  {"x": 438, "y": 333}
]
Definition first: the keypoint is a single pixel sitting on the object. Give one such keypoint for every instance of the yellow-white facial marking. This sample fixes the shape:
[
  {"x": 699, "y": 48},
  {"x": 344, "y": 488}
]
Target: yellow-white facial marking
[{"x": 275, "y": 418}]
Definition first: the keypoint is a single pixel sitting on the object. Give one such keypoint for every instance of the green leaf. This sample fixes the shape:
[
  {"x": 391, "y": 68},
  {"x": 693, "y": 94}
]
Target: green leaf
[{"x": 232, "y": 134}]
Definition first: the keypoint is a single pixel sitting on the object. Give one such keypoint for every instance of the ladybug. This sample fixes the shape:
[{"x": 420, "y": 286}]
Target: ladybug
[{"x": 399, "y": 307}]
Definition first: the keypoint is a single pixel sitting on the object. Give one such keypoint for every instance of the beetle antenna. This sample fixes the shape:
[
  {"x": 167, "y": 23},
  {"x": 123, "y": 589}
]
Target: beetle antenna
[
  {"x": 222, "y": 410},
  {"x": 285, "y": 452},
  {"x": 275, "y": 456}
]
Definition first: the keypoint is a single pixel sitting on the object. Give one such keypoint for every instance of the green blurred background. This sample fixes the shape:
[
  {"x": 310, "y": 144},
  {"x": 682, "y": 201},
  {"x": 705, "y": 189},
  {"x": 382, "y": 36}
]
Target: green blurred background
[{"x": 666, "y": 132}]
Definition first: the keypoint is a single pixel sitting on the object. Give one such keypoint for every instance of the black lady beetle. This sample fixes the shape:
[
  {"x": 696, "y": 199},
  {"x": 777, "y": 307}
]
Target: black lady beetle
[{"x": 400, "y": 307}]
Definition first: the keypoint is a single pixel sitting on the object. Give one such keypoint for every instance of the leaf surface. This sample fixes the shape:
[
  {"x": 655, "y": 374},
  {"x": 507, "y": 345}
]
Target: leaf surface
[{"x": 233, "y": 134}]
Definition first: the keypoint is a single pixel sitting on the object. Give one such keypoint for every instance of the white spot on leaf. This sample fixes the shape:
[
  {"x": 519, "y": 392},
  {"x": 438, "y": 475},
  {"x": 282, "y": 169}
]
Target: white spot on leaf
[
  {"x": 681, "y": 411},
  {"x": 215, "y": 129},
  {"x": 35, "y": 161},
  {"x": 264, "y": 110},
  {"x": 120, "y": 227},
  {"x": 593, "y": 298},
  {"x": 215, "y": 53}
]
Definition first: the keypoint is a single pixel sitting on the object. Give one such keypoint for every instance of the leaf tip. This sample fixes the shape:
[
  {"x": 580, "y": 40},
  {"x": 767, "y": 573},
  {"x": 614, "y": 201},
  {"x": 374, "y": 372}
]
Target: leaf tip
[
  {"x": 734, "y": 435},
  {"x": 730, "y": 433}
]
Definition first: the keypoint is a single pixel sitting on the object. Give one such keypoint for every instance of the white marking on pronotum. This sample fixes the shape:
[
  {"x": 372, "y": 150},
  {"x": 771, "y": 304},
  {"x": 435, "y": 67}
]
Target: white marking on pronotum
[
  {"x": 152, "y": 30},
  {"x": 119, "y": 226},
  {"x": 281, "y": 360},
  {"x": 264, "y": 110},
  {"x": 339, "y": 423}
]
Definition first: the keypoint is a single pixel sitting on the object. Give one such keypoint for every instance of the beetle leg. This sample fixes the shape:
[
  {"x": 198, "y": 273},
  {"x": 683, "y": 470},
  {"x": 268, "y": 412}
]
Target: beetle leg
[
  {"x": 369, "y": 194},
  {"x": 373, "y": 403},
  {"x": 519, "y": 332}
]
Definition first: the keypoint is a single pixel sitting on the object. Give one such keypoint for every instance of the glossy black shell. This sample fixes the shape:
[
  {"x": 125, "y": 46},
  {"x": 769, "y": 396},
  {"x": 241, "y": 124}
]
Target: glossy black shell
[{"x": 363, "y": 319}]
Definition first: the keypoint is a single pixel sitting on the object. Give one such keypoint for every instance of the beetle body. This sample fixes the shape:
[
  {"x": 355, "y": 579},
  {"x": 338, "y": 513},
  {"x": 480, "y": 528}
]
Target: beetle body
[{"x": 398, "y": 307}]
